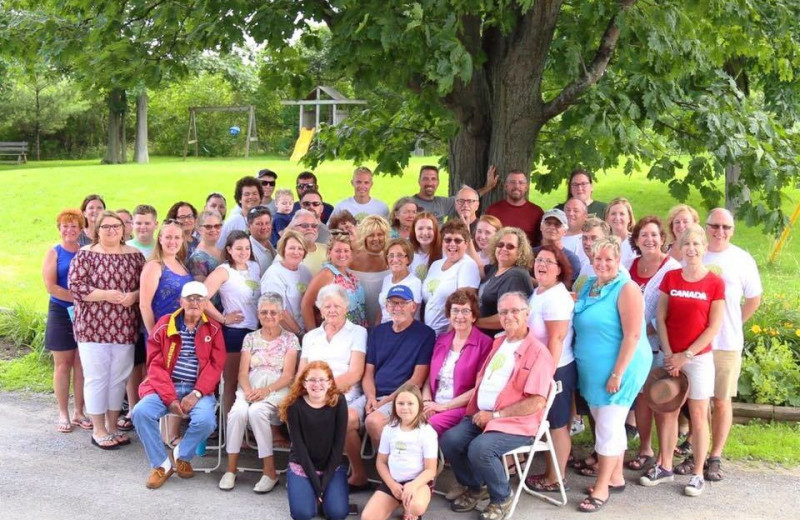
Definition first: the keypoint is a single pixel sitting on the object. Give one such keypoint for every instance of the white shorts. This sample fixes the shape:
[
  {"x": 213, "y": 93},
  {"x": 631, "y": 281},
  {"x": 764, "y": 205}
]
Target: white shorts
[
  {"x": 611, "y": 439},
  {"x": 700, "y": 371}
]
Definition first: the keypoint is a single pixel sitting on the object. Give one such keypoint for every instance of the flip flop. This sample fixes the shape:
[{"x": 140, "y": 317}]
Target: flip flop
[
  {"x": 641, "y": 462},
  {"x": 107, "y": 438},
  {"x": 596, "y": 504},
  {"x": 84, "y": 423},
  {"x": 64, "y": 427},
  {"x": 124, "y": 424},
  {"x": 121, "y": 439},
  {"x": 611, "y": 489},
  {"x": 588, "y": 471}
]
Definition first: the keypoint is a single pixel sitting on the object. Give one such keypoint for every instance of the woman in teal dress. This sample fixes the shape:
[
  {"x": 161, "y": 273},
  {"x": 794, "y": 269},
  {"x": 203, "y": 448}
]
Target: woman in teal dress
[{"x": 613, "y": 358}]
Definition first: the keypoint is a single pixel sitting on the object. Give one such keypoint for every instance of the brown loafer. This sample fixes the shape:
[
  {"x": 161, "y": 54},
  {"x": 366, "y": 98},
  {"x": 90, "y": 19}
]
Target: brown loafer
[
  {"x": 184, "y": 469},
  {"x": 157, "y": 477}
]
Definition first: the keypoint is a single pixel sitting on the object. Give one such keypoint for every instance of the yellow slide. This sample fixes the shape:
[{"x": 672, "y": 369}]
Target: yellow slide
[{"x": 302, "y": 144}]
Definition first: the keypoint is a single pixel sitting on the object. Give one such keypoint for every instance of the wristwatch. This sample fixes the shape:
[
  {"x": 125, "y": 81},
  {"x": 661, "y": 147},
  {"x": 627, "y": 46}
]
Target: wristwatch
[
  {"x": 688, "y": 353},
  {"x": 197, "y": 393},
  {"x": 495, "y": 415}
]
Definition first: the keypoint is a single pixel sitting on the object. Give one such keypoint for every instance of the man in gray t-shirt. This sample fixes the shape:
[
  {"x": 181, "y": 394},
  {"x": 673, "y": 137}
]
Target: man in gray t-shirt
[{"x": 443, "y": 207}]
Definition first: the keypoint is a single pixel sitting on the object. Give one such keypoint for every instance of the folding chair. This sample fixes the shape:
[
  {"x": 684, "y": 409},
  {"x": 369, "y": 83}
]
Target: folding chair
[
  {"x": 279, "y": 449},
  {"x": 164, "y": 425},
  {"x": 541, "y": 442}
]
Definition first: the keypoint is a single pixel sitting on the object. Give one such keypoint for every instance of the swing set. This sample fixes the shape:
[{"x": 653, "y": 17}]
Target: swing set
[{"x": 191, "y": 133}]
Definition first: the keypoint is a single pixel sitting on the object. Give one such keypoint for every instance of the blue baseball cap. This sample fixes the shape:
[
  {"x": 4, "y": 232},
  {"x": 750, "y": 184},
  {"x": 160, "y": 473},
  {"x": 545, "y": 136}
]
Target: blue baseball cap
[{"x": 400, "y": 291}]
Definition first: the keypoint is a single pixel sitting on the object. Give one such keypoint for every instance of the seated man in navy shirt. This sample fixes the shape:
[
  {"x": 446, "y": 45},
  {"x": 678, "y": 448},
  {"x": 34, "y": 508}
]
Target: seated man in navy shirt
[{"x": 398, "y": 352}]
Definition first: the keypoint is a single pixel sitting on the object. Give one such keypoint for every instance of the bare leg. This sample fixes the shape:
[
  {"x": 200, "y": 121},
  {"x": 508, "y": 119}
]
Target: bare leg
[
  {"x": 644, "y": 421},
  {"x": 132, "y": 388},
  {"x": 233, "y": 463},
  {"x": 77, "y": 387},
  {"x": 721, "y": 420},
  {"x": 63, "y": 362},
  {"x": 269, "y": 467},
  {"x": 563, "y": 444},
  {"x": 352, "y": 448},
  {"x": 668, "y": 438},
  {"x": 380, "y": 506},
  {"x": 698, "y": 410}
]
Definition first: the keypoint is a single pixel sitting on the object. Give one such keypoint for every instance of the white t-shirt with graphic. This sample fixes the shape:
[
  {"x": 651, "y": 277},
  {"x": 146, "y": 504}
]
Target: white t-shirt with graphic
[
  {"x": 336, "y": 352},
  {"x": 359, "y": 211},
  {"x": 419, "y": 265},
  {"x": 408, "y": 449},
  {"x": 240, "y": 293},
  {"x": 497, "y": 374},
  {"x": 291, "y": 285},
  {"x": 439, "y": 285},
  {"x": 445, "y": 388},
  {"x": 739, "y": 271},
  {"x": 554, "y": 304},
  {"x": 412, "y": 282}
]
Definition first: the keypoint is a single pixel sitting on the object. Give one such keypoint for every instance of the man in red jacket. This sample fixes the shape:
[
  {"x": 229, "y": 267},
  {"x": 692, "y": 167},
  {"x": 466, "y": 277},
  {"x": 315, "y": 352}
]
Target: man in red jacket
[{"x": 185, "y": 358}]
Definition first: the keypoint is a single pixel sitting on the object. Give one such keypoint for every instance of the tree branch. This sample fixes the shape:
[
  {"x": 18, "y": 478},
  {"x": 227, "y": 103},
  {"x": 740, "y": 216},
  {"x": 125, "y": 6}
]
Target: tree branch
[{"x": 608, "y": 44}]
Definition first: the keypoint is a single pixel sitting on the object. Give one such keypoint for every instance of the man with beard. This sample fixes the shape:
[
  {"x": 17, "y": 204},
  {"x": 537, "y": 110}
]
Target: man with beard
[
  {"x": 442, "y": 207},
  {"x": 516, "y": 210}
]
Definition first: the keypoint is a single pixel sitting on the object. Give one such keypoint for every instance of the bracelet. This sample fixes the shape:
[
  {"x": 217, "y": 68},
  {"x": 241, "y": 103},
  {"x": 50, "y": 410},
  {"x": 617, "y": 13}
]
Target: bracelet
[{"x": 615, "y": 375}]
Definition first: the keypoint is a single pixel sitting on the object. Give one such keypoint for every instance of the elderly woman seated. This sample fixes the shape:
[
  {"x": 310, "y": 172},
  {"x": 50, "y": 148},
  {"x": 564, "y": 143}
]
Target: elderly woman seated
[
  {"x": 343, "y": 346},
  {"x": 266, "y": 369},
  {"x": 457, "y": 356}
]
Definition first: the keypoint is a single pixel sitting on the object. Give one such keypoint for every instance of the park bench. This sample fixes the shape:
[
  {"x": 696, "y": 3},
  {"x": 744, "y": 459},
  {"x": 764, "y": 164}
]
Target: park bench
[{"x": 12, "y": 149}]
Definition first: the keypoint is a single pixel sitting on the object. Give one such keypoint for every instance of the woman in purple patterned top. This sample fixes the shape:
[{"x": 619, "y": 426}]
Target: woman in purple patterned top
[{"x": 104, "y": 283}]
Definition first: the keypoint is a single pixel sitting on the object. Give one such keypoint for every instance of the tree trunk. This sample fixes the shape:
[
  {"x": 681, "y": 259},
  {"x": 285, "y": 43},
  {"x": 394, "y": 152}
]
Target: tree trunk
[
  {"x": 116, "y": 104},
  {"x": 37, "y": 90},
  {"x": 140, "y": 152}
]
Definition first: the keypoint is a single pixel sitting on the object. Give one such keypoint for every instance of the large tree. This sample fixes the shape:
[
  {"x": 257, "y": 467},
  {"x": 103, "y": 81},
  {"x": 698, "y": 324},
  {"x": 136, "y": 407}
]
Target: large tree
[{"x": 547, "y": 85}]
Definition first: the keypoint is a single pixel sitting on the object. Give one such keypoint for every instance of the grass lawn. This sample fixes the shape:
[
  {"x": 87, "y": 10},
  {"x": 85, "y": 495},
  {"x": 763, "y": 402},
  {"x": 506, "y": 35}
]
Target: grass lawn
[{"x": 36, "y": 192}]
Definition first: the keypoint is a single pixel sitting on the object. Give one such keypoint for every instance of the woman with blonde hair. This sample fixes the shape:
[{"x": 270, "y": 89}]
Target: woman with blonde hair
[
  {"x": 480, "y": 245},
  {"x": 619, "y": 215},
  {"x": 679, "y": 218},
  {"x": 369, "y": 262},
  {"x": 58, "y": 336},
  {"x": 289, "y": 277}
]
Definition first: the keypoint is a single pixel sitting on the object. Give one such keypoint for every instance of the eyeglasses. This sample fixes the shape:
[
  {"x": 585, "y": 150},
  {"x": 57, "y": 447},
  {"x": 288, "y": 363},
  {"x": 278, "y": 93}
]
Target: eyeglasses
[
  {"x": 462, "y": 312},
  {"x": 508, "y": 246},
  {"x": 726, "y": 227},
  {"x": 451, "y": 240},
  {"x": 546, "y": 261},
  {"x": 512, "y": 312},
  {"x": 398, "y": 256},
  {"x": 306, "y": 225},
  {"x": 579, "y": 184},
  {"x": 305, "y": 186},
  {"x": 181, "y": 218},
  {"x": 195, "y": 299},
  {"x": 464, "y": 202},
  {"x": 397, "y": 303},
  {"x": 209, "y": 227},
  {"x": 127, "y": 222},
  {"x": 109, "y": 227},
  {"x": 268, "y": 183},
  {"x": 309, "y": 203},
  {"x": 271, "y": 314},
  {"x": 316, "y": 380}
]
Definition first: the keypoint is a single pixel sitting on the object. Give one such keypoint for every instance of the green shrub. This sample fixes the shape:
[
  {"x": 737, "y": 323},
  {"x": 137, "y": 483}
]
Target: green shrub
[
  {"x": 770, "y": 373},
  {"x": 777, "y": 317},
  {"x": 24, "y": 327}
]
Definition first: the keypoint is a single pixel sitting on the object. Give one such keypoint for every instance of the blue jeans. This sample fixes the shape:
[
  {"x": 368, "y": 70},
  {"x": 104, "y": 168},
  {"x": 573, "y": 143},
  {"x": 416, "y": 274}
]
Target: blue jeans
[
  {"x": 150, "y": 409},
  {"x": 476, "y": 458},
  {"x": 303, "y": 501}
]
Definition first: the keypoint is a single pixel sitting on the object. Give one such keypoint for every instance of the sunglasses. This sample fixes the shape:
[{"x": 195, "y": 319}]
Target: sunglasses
[
  {"x": 508, "y": 246},
  {"x": 268, "y": 183},
  {"x": 209, "y": 227},
  {"x": 726, "y": 227},
  {"x": 305, "y": 186},
  {"x": 451, "y": 240}
]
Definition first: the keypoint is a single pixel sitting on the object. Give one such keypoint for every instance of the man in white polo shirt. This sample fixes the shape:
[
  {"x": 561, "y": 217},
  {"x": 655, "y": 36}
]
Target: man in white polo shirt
[
  {"x": 742, "y": 298},
  {"x": 361, "y": 203}
]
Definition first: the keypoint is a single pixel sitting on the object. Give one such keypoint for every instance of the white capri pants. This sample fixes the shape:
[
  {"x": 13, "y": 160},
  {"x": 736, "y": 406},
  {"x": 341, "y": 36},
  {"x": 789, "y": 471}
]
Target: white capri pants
[
  {"x": 261, "y": 415},
  {"x": 106, "y": 368},
  {"x": 610, "y": 437},
  {"x": 700, "y": 372}
]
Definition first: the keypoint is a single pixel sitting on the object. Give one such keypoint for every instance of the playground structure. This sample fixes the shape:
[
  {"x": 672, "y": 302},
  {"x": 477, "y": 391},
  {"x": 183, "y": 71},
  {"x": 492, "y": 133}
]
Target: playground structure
[
  {"x": 191, "y": 133},
  {"x": 322, "y": 105}
]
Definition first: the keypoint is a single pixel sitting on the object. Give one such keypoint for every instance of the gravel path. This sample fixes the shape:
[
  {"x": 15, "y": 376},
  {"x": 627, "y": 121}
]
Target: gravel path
[{"x": 46, "y": 475}]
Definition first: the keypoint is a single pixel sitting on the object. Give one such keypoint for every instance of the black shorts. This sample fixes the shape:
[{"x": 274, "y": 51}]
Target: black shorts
[
  {"x": 140, "y": 348},
  {"x": 562, "y": 405},
  {"x": 58, "y": 332},
  {"x": 234, "y": 339},
  {"x": 383, "y": 487}
]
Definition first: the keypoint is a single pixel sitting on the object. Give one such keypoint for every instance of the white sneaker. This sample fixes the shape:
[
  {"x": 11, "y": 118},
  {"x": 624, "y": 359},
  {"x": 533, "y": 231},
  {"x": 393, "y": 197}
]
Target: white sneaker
[
  {"x": 695, "y": 486},
  {"x": 227, "y": 481},
  {"x": 264, "y": 485}
]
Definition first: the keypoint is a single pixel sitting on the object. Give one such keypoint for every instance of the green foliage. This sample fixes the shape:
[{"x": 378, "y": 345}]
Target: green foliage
[
  {"x": 30, "y": 372},
  {"x": 773, "y": 442},
  {"x": 770, "y": 374},
  {"x": 23, "y": 326},
  {"x": 778, "y": 317}
]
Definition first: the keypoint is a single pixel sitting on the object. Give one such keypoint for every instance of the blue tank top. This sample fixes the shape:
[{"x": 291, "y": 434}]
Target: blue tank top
[
  {"x": 63, "y": 258},
  {"x": 167, "y": 297}
]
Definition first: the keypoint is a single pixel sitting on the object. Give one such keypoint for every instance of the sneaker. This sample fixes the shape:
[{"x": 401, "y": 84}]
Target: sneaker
[
  {"x": 157, "y": 477},
  {"x": 655, "y": 476},
  {"x": 497, "y": 510},
  {"x": 695, "y": 486},
  {"x": 577, "y": 426},
  {"x": 227, "y": 481},
  {"x": 456, "y": 491},
  {"x": 265, "y": 485},
  {"x": 632, "y": 432},
  {"x": 468, "y": 500}
]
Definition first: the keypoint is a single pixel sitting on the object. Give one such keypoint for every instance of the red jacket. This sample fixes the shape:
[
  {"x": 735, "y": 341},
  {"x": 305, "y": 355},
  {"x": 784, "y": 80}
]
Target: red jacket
[{"x": 163, "y": 347}]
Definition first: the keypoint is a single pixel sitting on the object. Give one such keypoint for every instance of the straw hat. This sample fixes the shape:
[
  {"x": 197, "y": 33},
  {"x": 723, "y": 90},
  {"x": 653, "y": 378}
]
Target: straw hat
[{"x": 664, "y": 393}]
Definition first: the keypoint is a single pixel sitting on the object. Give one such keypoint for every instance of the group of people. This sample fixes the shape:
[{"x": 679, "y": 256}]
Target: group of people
[{"x": 421, "y": 325}]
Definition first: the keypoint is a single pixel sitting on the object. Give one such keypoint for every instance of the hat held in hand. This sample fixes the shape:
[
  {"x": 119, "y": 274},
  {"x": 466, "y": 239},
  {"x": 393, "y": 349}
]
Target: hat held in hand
[{"x": 664, "y": 393}]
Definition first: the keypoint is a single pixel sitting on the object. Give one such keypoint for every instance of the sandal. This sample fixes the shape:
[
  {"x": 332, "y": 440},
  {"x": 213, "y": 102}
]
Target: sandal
[
  {"x": 714, "y": 471},
  {"x": 540, "y": 486},
  {"x": 641, "y": 462},
  {"x": 121, "y": 439},
  {"x": 686, "y": 467},
  {"x": 683, "y": 448},
  {"x": 84, "y": 423},
  {"x": 124, "y": 424},
  {"x": 580, "y": 464},
  {"x": 611, "y": 489},
  {"x": 64, "y": 426},
  {"x": 591, "y": 504},
  {"x": 106, "y": 442},
  {"x": 588, "y": 471}
]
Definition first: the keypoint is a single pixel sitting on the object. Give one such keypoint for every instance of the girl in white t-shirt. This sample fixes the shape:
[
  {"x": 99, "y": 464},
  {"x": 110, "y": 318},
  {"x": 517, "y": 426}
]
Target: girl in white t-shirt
[{"x": 406, "y": 460}]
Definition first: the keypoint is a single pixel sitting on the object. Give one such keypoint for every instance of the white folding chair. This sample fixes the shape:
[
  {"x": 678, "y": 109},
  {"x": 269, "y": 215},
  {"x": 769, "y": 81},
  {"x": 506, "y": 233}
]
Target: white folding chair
[
  {"x": 541, "y": 442},
  {"x": 276, "y": 449}
]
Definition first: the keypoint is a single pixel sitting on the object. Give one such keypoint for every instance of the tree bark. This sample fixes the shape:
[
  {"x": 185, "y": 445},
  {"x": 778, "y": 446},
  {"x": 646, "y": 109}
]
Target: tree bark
[
  {"x": 116, "y": 103},
  {"x": 140, "y": 152},
  {"x": 37, "y": 91}
]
